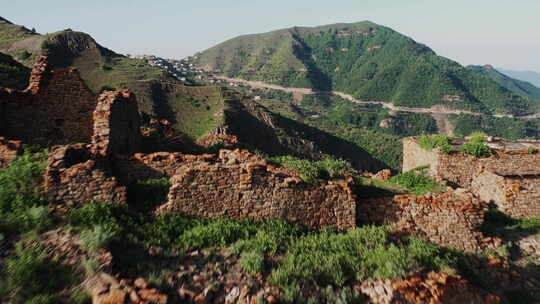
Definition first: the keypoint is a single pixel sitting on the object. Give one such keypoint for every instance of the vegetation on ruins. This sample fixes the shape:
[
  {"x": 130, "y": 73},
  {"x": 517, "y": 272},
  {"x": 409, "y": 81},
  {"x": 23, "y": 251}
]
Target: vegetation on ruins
[
  {"x": 417, "y": 181},
  {"x": 430, "y": 142},
  {"x": 313, "y": 171},
  {"x": 476, "y": 146}
]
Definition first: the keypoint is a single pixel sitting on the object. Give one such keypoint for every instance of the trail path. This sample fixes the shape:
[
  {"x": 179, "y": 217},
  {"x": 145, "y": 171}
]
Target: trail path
[{"x": 439, "y": 112}]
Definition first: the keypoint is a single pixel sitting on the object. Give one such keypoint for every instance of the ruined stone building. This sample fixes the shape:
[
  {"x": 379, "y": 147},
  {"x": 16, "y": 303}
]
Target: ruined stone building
[{"x": 510, "y": 178}]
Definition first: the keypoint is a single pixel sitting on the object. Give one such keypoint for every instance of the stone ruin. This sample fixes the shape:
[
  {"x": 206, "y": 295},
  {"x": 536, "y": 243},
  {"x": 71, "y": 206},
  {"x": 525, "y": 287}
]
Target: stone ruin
[
  {"x": 510, "y": 178},
  {"x": 95, "y": 159},
  {"x": 56, "y": 108}
]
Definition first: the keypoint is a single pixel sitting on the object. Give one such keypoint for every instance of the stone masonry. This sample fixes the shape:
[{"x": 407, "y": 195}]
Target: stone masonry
[
  {"x": 509, "y": 178},
  {"x": 9, "y": 150},
  {"x": 75, "y": 176},
  {"x": 236, "y": 188},
  {"x": 56, "y": 108},
  {"x": 116, "y": 123},
  {"x": 444, "y": 218}
]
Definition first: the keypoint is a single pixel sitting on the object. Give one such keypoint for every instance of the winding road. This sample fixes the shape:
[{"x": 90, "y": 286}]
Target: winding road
[{"x": 439, "y": 112}]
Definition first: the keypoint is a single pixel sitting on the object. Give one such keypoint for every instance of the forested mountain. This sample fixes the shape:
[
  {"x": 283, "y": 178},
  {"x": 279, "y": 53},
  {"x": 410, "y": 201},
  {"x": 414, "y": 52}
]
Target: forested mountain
[
  {"x": 529, "y": 76},
  {"x": 366, "y": 60},
  {"x": 518, "y": 86}
]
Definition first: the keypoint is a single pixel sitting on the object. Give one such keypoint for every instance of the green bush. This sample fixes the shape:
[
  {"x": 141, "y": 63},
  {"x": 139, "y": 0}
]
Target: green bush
[
  {"x": 252, "y": 262},
  {"x": 429, "y": 142},
  {"x": 329, "y": 258},
  {"x": 32, "y": 277},
  {"x": 313, "y": 171},
  {"x": 272, "y": 237},
  {"x": 417, "y": 181},
  {"x": 21, "y": 202},
  {"x": 100, "y": 236},
  {"x": 476, "y": 149}
]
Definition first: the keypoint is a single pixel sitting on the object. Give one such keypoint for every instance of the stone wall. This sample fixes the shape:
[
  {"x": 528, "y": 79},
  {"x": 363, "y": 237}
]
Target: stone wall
[
  {"x": 56, "y": 108},
  {"x": 443, "y": 218},
  {"x": 116, "y": 123},
  {"x": 509, "y": 178},
  {"x": 240, "y": 185},
  {"x": 9, "y": 150},
  {"x": 75, "y": 176}
]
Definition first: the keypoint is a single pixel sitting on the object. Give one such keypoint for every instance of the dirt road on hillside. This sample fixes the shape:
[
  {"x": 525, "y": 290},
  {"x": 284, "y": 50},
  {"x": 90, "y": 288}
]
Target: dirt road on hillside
[{"x": 439, "y": 112}]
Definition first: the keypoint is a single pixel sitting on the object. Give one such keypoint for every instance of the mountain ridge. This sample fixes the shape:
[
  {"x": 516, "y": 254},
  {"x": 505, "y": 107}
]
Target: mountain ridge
[{"x": 366, "y": 60}]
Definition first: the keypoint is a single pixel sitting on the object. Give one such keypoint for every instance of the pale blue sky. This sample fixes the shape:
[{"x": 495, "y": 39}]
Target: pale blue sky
[{"x": 505, "y": 33}]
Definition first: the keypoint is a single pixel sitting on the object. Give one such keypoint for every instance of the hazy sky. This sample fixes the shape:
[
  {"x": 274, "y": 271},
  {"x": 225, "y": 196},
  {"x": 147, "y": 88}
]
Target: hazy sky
[{"x": 504, "y": 33}]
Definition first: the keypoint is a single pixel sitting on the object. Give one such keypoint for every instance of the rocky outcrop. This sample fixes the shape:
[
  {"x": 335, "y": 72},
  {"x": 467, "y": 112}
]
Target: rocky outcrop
[
  {"x": 443, "y": 218},
  {"x": 240, "y": 185}
]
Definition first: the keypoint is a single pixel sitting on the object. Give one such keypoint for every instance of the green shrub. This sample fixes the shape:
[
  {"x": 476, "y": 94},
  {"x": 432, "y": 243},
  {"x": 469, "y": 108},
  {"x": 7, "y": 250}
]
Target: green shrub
[
  {"x": 476, "y": 149},
  {"x": 220, "y": 232},
  {"x": 532, "y": 150},
  {"x": 21, "y": 201},
  {"x": 313, "y": 171},
  {"x": 166, "y": 229},
  {"x": 32, "y": 277},
  {"x": 272, "y": 237},
  {"x": 308, "y": 171},
  {"x": 252, "y": 262},
  {"x": 329, "y": 258},
  {"x": 94, "y": 214},
  {"x": 100, "y": 236},
  {"x": 417, "y": 181},
  {"x": 430, "y": 142}
]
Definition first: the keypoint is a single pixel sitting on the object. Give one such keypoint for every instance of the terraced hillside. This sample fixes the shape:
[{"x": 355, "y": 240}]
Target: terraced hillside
[{"x": 366, "y": 60}]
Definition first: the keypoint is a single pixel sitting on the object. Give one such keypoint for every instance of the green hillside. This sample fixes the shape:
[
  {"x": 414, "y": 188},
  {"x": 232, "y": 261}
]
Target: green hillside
[
  {"x": 12, "y": 73},
  {"x": 369, "y": 61},
  {"x": 192, "y": 110},
  {"x": 517, "y": 86}
]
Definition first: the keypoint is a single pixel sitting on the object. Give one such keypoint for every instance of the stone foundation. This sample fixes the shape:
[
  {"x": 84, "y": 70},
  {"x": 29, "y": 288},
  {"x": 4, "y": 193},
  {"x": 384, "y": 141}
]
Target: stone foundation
[{"x": 442, "y": 218}]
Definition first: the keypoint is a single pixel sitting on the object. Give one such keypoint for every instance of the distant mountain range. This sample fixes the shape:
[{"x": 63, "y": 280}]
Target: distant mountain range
[
  {"x": 529, "y": 76},
  {"x": 366, "y": 60},
  {"x": 518, "y": 86}
]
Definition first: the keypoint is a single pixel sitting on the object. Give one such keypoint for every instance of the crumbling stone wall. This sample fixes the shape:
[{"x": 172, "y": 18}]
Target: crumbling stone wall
[
  {"x": 509, "y": 178},
  {"x": 56, "y": 108},
  {"x": 9, "y": 150},
  {"x": 116, "y": 123},
  {"x": 75, "y": 176},
  {"x": 443, "y": 218},
  {"x": 517, "y": 196},
  {"x": 242, "y": 186},
  {"x": 155, "y": 165}
]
